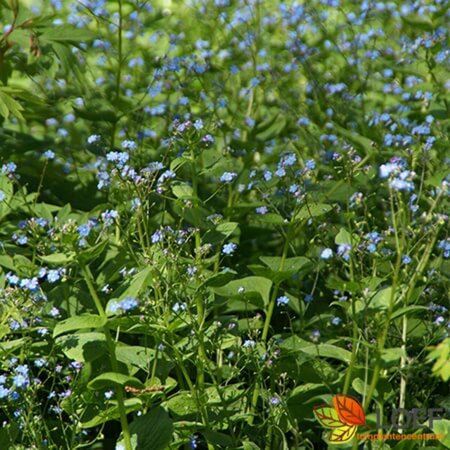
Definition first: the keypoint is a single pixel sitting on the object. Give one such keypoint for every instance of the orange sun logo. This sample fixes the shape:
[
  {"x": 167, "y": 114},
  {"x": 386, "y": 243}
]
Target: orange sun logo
[{"x": 342, "y": 419}]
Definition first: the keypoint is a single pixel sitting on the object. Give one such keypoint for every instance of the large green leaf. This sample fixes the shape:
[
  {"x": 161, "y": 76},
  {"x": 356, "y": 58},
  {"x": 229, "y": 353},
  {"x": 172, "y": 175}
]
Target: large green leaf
[
  {"x": 252, "y": 289},
  {"x": 296, "y": 344},
  {"x": 111, "y": 379},
  {"x": 94, "y": 416},
  {"x": 441, "y": 427},
  {"x": 159, "y": 423},
  {"x": 78, "y": 323},
  {"x": 83, "y": 347},
  {"x": 312, "y": 210}
]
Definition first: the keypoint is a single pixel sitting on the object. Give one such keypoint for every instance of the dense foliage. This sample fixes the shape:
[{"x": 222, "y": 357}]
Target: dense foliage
[{"x": 218, "y": 214}]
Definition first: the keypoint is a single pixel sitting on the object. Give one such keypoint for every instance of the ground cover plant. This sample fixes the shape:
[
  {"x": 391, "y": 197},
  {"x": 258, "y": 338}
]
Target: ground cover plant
[{"x": 217, "y": 216}]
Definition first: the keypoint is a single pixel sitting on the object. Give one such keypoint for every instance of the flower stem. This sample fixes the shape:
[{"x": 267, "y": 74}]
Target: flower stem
[{"x": 112, "y": 353}]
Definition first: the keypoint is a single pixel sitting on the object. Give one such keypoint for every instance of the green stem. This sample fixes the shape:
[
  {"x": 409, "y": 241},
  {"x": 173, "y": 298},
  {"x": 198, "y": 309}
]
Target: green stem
[
  {"x": 112, "y": 352},
  {"x": 266, "y": 327},
  {"x": 119, "y": 71},
  {"x": 348, "y": 375},
  {"x": 385, "y": 329}
]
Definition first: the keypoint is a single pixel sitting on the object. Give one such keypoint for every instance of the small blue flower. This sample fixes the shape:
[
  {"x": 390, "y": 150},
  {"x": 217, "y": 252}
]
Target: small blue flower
[
  {"x": 198, "y": 124},
  {"x": 275, "y": 401},
  {"x": 84, "y": 230},
  {"x": 157, "y": 236},
  {"x": 53, "y": 276},
  {"x": 344, "y": 251},
  {"x": 191, "y": 271},
  {"x": 229, "y": 248},
  {"x": 249, "y": 343},
  {"x": 336, "y": 320},
  {"x": 406, "y": 259},
  {"x": 228, "y": 177},
  {"x": 283, "y": 300},
  {"x": 4, "y": 392},
  {"x": 310, "y": 165},
  {"x": 128, "y": 303},
  {"x": 326, "y": 253},
  {"x": 49, "y": 154},
  {"x": 193, "y": 442}
]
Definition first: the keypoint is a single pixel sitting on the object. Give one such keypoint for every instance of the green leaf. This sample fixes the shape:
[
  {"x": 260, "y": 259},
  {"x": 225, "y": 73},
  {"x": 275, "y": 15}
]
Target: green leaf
[
  {"x": 291, "y": 266},
  {"x": 343, "y": 237},
  {"x": 7, "y": 262},
  {"x": 83, "y": 347},
  {"x": 381, "y": 299},
  {"x": 442, "y": 427},
  {"x": 392, "y": 355},
  {"x": 252, "y": 289},
  {"x": 91, "y": 253},
  {"x": 216, "y": 438},
  {"x": 294, "y": 343},
  {"x": 248, "y": 445},
  {"x": 65, "y": 33},
  {"x": 183, "y": 191},
  {"x": 6, "y": 187},
  {"x": 219, "y": 279},
  {"x": 9, "y": 106},
  {"x": 95, "y": 417},
  {"x": 139, "y": 281},
  {"x": 161, "y": 426},
  {"x": 182, "y": 405},
  {"x": 441, "y": 355},
  {"x": 220, "y": 233},
  {"x": 59, "y": 259},
  {"x": 407, "y": 310},
  {"x": 78, "y": 323},
  {"x": 111, "y": 379},
  {"x": 10, "y": 346},
  {"x": 312, "y": 210},
  {"x": 135, "y": 355}
]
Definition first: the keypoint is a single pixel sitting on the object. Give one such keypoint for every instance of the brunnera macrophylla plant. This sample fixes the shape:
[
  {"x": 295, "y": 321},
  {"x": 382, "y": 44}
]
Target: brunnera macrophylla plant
[{"x": 215, "y": 215}]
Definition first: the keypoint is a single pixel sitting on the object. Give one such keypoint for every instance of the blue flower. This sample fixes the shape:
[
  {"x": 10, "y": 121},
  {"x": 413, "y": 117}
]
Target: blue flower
[
  {"x": 49, "y": 154},
  {"x": 53, "y": 276},
  {"x": 326, "y": 253},
  {"x": 275, "y": 401},
  {"x": 283, "y": 300},
  {"x": 128, "y": 303},
  {"x": 344, "y": 251},
  {"x": 129, "y": 145},
  {"x": 193, "y": 442},
  {"x": 228, "y": 177},
  {"x": 310, "y": 164},
  {"x": 9, "y": 168},
  {"x": 249, "y": 343},
  {"x": 157, "y": 236},
  {"x": 109, "y": 215},
  {"x": 229, "y": 248},
  {"x": 84, "y": 230},
  {"x": 336, "y": 320},
  {"x": 198, "y": 124},
  {"x": 406, "y": 259},
  {"x": 4, "y": 392}
]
